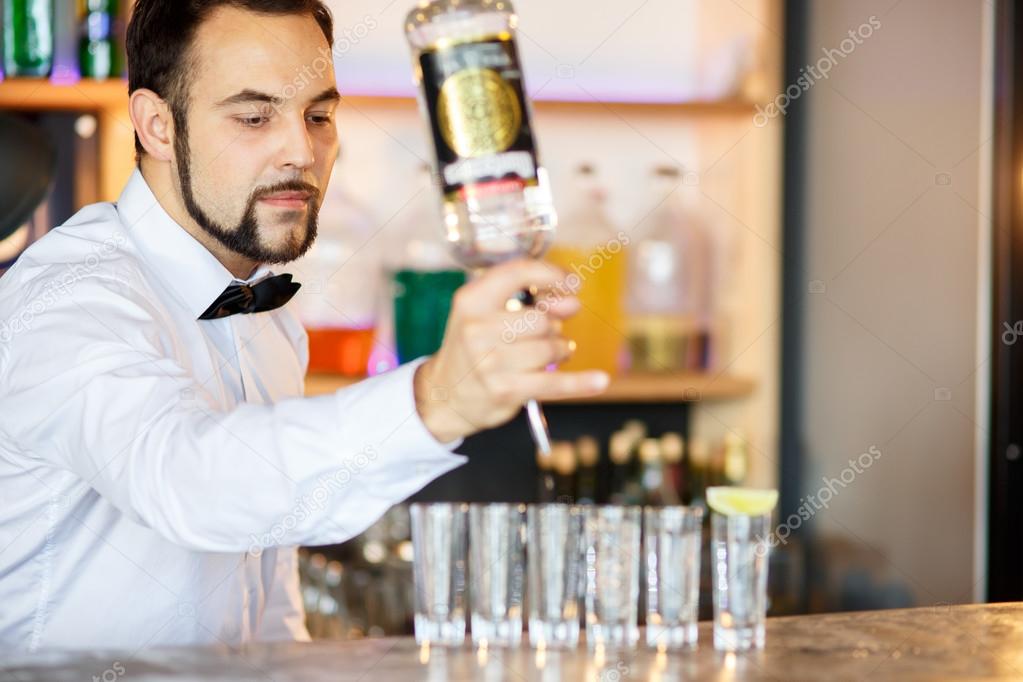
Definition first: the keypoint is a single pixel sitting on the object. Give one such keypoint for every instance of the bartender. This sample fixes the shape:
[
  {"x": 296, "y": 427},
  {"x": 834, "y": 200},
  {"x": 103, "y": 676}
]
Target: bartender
[{"x": 158, "y": 463}]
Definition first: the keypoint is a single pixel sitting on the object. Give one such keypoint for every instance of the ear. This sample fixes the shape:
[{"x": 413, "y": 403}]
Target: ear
[{"x": 153, "y": 122}]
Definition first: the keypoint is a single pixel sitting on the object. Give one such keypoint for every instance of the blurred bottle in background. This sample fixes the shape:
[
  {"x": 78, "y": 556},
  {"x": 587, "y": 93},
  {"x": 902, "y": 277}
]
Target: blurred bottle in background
[
  {"x": 735, "y": 459},
  {"x": 340, "y": 276},
  {"x": 588, "y": 247},
  {"x": 423, "y": 277},
  {"x": 699, "y": 471},
  {"x": 636, "y": 432},
  {"x": 672, "y": 450},
  {"x": 546, "y": 490},
  {"x": 671, "y": 278},
  {"x": 652, "y": 472},
  {"x": 67, "y": 33},
  {"x": 98, "y": 54},
  {"x": 640, "y": 467},
  {"x": 563, "y": 459},
  {"x": 363, "y": 587},
  {"x": 312, "y": 570},
  {"x": 619, "y": 453},
  {"x": 587, "y": 488},
  {"x": 27, "y": 37}
]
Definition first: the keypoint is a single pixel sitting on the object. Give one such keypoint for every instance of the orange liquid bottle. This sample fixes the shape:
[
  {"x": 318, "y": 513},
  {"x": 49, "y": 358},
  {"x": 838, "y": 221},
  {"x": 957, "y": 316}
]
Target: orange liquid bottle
[
  {"x": 341, "y": 350},
  {"x": 341, "y": 276},
  {"x": 592, "y": 252}
]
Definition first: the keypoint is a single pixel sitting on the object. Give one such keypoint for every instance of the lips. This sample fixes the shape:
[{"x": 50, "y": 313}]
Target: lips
[
  {"x": 290, "y": 199},
  {"x": 297, "y": 196}
]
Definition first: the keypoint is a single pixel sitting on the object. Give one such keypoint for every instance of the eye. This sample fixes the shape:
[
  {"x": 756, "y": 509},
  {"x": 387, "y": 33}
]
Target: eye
[
  {"x": 319, "y": 119},
  {"x": 253, "y": 121}
]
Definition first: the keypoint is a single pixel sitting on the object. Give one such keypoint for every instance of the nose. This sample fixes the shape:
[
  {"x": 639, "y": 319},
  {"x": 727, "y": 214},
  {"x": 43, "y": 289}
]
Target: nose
[{"x": 296, "y": 150}]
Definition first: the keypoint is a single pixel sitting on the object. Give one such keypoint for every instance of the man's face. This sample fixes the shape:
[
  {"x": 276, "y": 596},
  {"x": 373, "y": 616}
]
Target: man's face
[{"x": 260, "y": 138}]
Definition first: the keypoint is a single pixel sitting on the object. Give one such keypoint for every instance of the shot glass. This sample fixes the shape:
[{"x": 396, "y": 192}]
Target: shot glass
[
  {"x": 739, "y": 563},
  {"x": 555, "y": 561},
  {"x": 497, "y": 573},
  {"x": 612, "y": 577},
  {"x": 671, "y": 549},
  {"x": 439, "y": 563}
]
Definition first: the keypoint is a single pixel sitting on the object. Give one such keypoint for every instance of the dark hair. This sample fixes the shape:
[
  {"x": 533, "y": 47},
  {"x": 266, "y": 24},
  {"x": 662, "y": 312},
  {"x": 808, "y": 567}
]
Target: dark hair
[{"x": 160, "y": 35}]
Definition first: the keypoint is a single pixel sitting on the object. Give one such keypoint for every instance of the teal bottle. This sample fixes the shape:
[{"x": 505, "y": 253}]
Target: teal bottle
[
  {"x": 28, "y": 37},
  {"x": 422, "y": 302}
]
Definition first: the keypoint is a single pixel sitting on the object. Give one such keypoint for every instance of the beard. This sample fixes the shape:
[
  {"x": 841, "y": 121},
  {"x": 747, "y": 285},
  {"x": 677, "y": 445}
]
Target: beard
[{"x": 244, "y": 239}]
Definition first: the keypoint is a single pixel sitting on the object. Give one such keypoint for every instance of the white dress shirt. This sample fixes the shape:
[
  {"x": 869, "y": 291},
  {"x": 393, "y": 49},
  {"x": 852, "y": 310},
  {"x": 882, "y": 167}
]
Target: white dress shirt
[{"x": 157, "y": 471}]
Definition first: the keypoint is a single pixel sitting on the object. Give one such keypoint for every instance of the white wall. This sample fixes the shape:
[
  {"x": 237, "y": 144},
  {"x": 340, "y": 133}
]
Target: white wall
[
  {"x": 895, "y": 216},
  {"x": 646, "y": 50}
]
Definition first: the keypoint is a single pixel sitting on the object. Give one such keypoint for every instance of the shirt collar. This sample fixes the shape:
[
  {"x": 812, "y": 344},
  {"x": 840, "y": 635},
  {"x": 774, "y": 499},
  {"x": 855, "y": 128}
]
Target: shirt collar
[{"x": 178, "y": 259}]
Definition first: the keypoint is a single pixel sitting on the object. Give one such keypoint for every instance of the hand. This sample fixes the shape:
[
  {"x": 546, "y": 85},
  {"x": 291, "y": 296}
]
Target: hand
[{"x": 493, "y": 360}]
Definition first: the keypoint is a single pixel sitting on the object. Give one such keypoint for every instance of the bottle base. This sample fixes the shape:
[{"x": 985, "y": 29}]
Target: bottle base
[
  {"x": 439, "y": 633},
  {"x": 671, "y": 637},
  {"x": 738, "y": 639},
  {"x": 553, "y": 635},
  {"x": 496, "y": 633}
]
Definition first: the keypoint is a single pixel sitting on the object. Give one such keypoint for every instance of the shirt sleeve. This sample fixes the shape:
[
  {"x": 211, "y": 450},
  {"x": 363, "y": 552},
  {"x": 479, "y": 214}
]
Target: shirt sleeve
[{"x": 92, "y": 386}]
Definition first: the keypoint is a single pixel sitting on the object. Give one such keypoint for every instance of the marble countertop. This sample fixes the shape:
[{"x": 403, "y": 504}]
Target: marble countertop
[{"x": 976, "y": 642}]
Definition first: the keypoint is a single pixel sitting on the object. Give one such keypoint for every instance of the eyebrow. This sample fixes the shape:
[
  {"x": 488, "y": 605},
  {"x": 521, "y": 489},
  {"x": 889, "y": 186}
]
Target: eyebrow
[{"x": 248, "y": 96}]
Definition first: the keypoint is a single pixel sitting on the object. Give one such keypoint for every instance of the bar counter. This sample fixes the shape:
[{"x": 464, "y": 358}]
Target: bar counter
[{"x": 976, "y": 642}]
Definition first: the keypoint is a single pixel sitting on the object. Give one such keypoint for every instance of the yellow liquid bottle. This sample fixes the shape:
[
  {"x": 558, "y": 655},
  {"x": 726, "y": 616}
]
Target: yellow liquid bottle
[
  {"x": 593, "y": 252},
  {"x": 670, "y": 283}
]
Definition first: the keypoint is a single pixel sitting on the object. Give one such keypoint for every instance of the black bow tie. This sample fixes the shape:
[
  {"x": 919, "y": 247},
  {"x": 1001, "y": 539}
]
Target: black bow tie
[{"x": 266, "y": 294}]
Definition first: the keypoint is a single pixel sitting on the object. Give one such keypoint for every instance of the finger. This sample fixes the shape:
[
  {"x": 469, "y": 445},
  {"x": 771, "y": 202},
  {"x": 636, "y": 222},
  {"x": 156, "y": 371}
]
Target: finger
[
  {"x": 491, "y": 291},
  {"x": 543, "y": 320},
  {"x": 559, "y": 385},
  {"x": 529, "y": 324},
  {"x": 533, "y": 354},
  {"x": 557, "y": 305}
]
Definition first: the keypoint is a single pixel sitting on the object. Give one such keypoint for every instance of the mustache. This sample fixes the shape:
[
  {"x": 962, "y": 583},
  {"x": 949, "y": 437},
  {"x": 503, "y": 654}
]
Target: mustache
[{"x": 286, "y": 186}]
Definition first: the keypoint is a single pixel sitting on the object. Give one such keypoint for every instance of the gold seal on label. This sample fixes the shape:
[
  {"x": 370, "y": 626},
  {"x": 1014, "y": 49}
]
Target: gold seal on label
[{"x": 478, "y": 113}]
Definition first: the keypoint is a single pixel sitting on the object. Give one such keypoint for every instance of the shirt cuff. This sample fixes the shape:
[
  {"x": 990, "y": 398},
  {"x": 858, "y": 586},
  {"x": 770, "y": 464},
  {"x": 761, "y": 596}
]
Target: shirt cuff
[
  {"x": 378, "y": 418},
  {"x": 406, "y": 375}
]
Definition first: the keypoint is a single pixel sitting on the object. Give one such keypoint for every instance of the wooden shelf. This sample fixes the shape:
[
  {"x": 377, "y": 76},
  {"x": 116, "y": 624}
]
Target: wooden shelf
[
  {"x": 108, "y": 100},
  {"x": 673, "y": 387},
  {"x": 729, "y": 107},
  {"x": 85, "y": 95},
  {"x": 626, "y": 388}
]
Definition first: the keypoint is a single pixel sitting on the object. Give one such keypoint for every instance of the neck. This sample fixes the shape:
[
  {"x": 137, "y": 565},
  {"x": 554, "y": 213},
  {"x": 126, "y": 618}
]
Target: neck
[{"x": 162, "y": 182}]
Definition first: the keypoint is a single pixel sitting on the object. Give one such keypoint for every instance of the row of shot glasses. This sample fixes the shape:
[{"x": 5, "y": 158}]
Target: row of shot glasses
[{"x": 562, "y": 565}]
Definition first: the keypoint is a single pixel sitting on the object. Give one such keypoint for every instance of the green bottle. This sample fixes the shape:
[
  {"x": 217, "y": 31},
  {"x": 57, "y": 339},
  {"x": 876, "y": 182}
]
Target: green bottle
[
  {"x": 422, "y": 301},
  {"x": 98, "y": 56},
  {"x": 28, "y": 37}
]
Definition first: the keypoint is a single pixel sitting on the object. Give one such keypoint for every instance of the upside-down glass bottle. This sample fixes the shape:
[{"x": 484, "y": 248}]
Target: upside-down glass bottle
[{"x": 495, "y": 193}]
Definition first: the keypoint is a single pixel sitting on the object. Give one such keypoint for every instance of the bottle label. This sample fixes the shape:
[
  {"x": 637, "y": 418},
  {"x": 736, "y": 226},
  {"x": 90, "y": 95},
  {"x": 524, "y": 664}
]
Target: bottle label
[{"x": 479, "y": 117}]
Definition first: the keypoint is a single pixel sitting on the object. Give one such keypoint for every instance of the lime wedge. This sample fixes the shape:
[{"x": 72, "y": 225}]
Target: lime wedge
[{"x": 731, "y": 501}]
